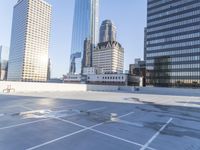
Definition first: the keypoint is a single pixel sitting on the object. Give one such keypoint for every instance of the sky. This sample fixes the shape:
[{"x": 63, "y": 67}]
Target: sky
[{"x": 129, "y": 16}]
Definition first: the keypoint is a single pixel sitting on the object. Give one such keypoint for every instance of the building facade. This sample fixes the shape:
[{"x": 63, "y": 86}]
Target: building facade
[
  {"x": 4, "y": 55},
  {"x": 87, "y": 54},
  {"x": 91, "y": 71},
  {"x": 72, "y": 78},
  {"x": 109, "y": 57},
  {"x": 173, "y": 43},
  {"x": 107, "y": 31},
  {"x": 107, "y": 79},
  {"x": 138, "y": 69},
  {"x": 85, "y": 25},
  {"x": 30, "y": 36}
]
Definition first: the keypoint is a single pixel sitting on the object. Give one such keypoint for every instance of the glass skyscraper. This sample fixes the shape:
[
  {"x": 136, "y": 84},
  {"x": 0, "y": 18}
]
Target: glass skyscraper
[
  {"x": 173, "y": 43},
  {"x": 85, "y": 26}
]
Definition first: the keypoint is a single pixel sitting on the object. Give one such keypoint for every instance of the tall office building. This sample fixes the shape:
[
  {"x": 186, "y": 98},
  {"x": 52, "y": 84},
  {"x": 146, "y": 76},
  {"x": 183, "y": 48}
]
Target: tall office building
[
  {"x": 4, "y": 55},
  {"x": 31, "y": 25},
  {"x": 107, "y": 31},
  {"x": 109, "y": 57},
  {"x": 173, "y": 43},
  {"x": 87, "y": 54},
  {"x": 85, "y": 25}
]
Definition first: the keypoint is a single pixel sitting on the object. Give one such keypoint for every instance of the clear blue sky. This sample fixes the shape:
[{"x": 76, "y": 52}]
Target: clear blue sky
[{"x": 128, "y": 15}]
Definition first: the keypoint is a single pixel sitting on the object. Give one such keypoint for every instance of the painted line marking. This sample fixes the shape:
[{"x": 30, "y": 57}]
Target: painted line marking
[
  {"x": 31, "y": 122},
  {"x": 106, "y": 134},
  {"x": 84, "y": 129},
  {"x": 130, "y": 113},
  {"x": 60, "y": 138},
  {"x": 118, "y": 138},
  {"x": 22, "y": 124},
  {"x": 156, "y": 134},
  {"x": 70, "y": 122},
  {"x": 131, "y": 123},
  {"x": 103, "y": 133},
  {"x": 69, "y": 106},
  {"x": 82, "y": 126},
  {"x": 96, "y": 109}
]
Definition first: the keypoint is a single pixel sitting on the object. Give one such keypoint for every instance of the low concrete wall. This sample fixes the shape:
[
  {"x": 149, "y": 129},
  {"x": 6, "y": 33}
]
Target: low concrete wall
[
  {"x": 61, "y": 87},
  {"x": 41, "y": 87},
  {"x": 171, "y": 91},
  {"x": 107, "y": 88}
]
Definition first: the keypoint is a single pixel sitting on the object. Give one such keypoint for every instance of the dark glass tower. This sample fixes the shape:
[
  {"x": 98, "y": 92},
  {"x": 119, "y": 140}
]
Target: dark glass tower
[
  {"x": 173, "y": 43},
  {"x": 85, "y": 26},
  {"x": 107, "y": 31}
]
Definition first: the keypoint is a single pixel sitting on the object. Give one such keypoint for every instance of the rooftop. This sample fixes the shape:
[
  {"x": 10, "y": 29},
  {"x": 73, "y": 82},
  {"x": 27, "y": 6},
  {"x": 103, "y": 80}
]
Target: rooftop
[{"x": 99, "y": 120}]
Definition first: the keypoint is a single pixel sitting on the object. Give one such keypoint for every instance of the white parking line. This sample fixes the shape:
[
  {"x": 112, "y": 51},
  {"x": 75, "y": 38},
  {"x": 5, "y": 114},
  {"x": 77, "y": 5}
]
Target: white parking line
[
  {"x": 67, "y": 121},
  {"x": 68, "y": 135},
  {"x": 32, "y": 122},
  {"x": 156, "y": 134},
  {"x": 103, "y": 133},
  {"x": 82, "y": 126},
  {"x": 59, "y": 107},
  {"x": 60, "y": 138},
  {"x": 115, "y": 137},
  {"x": 96, "y": 109},
  {"x": 84, "y": 129},
  {"x": 106, "y": 134},
  {"x": 130, "y": 113},
  {"x": 131, "y": 123},
  {"x": 22, "y": 124},
  {"x": 118, "y": 138}
]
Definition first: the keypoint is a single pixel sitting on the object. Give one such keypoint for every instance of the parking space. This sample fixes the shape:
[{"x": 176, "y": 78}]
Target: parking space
[{"x": 118, "y": 122}]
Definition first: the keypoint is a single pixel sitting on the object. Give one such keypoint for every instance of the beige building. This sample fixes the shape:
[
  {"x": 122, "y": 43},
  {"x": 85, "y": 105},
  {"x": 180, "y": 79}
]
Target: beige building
[
  {"x": 31, "y": 25},
  {"x": 107, "y": 79},
  {"x": 109, "y": 57}
]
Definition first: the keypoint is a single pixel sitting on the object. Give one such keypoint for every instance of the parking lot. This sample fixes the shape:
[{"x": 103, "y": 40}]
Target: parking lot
[{"x": 99, "y": 120}]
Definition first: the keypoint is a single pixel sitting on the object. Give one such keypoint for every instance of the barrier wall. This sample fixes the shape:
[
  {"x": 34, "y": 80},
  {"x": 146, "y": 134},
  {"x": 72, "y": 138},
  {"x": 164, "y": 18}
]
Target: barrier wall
[
  {"x": 108, "y": 88},
  {"x": 41, "y": 87},
  {"x": 61, "y": 87},
  {"x": 52, "y": 87},
  {"x": 171, "y": 91}
]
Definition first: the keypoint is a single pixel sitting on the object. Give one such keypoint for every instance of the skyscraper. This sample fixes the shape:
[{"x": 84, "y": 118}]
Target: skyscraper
[
  {"x": 173, "y": 43},
  {"x": 87, "y": 54},
  {"x": 4, "y": 55},
  {"x": 85, "y": 26},
  {"x": 107, "y": 31},
  {"x": 109, "y": 57},
  {"x": 31, "y": 24}
]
